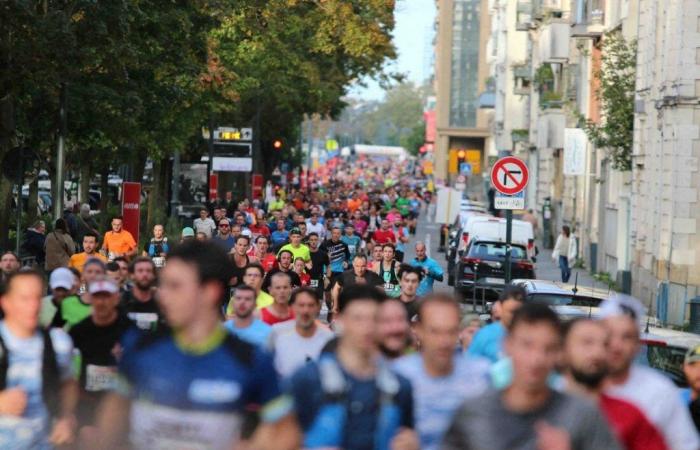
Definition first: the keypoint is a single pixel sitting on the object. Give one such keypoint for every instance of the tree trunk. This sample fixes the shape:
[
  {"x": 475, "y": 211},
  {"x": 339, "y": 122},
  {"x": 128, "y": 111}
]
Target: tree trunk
[
  {"x": 138, "y": 166},
  {"x": 7, "y": 133},
  {"x": 33, "y": 201},
  {"x": 85, "y": 176},
  {"x": 6, "y": 205}
]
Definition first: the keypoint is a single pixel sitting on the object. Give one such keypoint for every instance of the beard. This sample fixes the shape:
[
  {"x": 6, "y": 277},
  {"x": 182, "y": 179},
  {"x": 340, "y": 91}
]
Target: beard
[
  {"x": 144, "y": 285},
  {"x": 591, "y": 380}
]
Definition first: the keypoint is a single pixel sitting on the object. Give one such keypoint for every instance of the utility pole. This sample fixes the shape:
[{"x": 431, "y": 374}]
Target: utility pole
[
  {"x": 210, "y": 152},
  {"x": 60, "y": 155}
]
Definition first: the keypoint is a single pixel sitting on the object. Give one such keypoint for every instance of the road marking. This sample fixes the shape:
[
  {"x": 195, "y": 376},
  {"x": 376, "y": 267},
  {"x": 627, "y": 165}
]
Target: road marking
[{"x": 427, "y": 244}]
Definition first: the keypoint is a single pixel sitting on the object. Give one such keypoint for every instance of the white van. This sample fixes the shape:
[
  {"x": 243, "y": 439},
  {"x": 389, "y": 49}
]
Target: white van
[{"x": 494, "y": 229}]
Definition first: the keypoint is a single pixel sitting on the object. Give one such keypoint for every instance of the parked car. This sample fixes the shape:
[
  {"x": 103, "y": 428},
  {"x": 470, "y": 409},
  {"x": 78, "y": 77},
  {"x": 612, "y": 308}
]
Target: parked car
[
  {"x": 484, "y": 264},
  {"x": 664, "y": 350}
]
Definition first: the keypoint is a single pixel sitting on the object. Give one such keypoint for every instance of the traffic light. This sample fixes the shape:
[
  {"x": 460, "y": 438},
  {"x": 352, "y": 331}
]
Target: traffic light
[{"x": 277, "y": 144}]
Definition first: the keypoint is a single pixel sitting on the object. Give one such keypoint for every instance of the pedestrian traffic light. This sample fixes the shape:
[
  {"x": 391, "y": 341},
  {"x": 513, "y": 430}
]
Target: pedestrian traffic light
[{"x": 277, "y": 144}]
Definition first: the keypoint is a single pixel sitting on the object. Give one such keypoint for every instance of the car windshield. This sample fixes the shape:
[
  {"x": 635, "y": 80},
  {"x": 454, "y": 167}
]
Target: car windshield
[
  {"x": 562, "y": 299},
  {"x": 495, "y": 250},
  {"x": 667, "y": 359}
]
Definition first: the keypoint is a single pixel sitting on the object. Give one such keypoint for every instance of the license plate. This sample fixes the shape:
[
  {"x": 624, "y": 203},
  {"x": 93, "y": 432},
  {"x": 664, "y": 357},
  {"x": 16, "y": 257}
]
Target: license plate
[{"x": 495, "y": 280}]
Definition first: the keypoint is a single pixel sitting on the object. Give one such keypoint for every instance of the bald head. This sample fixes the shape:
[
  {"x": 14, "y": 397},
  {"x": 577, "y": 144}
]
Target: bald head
[{"x": 421, "y": 251}]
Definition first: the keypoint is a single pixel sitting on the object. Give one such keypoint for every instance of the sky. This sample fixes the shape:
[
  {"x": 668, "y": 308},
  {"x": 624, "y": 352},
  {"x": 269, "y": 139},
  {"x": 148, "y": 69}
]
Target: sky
[{"x": 412, "y": 33}]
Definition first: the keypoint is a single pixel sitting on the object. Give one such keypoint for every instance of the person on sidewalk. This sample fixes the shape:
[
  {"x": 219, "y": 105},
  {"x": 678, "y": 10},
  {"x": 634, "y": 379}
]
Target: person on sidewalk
[
  {"x": 59, "y": 247},
  {"x": 565, "y": 252}
]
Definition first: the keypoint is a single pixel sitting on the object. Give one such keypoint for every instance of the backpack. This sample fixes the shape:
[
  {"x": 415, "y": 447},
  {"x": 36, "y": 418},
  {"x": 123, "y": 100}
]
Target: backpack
[{"x": 50, "y": 376}]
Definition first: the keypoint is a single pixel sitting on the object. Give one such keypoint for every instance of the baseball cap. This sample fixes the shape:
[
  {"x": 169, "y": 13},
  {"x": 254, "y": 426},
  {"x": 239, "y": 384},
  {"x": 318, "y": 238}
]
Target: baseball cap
[
  {"x": 692, "y": 355},
  {"x": 187, "y": 232},
  {"x": 295, "y": 231},
  {"x": 104, "y": 285},
  {"x": 623, "y": 305},
  {"x": 61, "y": 278}
]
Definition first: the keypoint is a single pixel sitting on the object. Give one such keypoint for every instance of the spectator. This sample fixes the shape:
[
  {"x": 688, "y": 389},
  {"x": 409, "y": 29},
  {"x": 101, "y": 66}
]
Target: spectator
[
  {"x": 59, "y": 247},
  {"x": 85, "y": 224},
  {"x": 35, "y": 242}
]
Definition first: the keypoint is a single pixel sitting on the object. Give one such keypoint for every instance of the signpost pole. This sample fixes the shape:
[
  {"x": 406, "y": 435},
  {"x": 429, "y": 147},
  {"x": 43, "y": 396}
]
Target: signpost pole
[
  {"x": 210, "y": 152},
  {"x": 509, "y": 236}
]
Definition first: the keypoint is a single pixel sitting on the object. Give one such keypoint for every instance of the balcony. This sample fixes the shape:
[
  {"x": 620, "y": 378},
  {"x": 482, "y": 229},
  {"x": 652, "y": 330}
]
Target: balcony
[
  {"x": 550, "y": 129},
  {"x": 551, "y": 100},
  {"x": 588, "y": 18},
  {"x": 520, "y": 135},
  {"x": 522, "y": 76},
  {"x": 554, "y": 42},
  {"x": 546, "y": 8}
]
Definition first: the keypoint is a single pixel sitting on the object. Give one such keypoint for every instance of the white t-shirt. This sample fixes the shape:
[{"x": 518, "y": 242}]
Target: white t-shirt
[
  {"x": 658, "y": 398},
  {"x": 318, "y": 229},
  {"x": 206, "y": 226},
  {"x": 292, "y": 351}
]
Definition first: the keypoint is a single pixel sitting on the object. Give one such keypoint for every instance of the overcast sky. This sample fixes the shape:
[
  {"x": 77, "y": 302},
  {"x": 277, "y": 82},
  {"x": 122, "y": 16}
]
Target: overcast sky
[{"x": 413, "y": 32}]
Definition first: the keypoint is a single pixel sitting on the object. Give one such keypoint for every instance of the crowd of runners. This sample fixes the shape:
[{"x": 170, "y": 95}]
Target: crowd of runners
[{"x": 301, "y": 321}]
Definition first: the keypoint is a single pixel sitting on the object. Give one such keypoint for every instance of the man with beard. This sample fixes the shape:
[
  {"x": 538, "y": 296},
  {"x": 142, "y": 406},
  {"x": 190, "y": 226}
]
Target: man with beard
[
  {"x": 244, "y": 324},
  {"x": 654, "y": 394},
  {"x": 261, "y": 252},
  {"x": 409, "y": 280},
  {"x": 528, "y": 413},
  {"x": 585, "y": 352},
  {"x": 139, "y": 303},
  {"x": 284, "y": 265},
  {"x": 78, "y": 260},
  {"x": 301, "y": 340}
]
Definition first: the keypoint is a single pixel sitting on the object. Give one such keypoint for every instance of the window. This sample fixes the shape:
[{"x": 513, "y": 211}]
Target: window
[{"x": 496, "y": 250}]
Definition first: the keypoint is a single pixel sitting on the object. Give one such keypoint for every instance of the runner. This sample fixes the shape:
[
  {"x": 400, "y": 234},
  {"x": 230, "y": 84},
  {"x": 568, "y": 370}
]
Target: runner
[
  {"x": 75, "y": 308},
  {"x": 118, "y": 241},
  {"x": 315, "y": 225},
  {"x": 299, "y": 341},
  {"x": 488, "y": 341},
  {"x": 655, "y": 395},
  {"x": 440, "y": 378},
  {"x": 280, "y": 236},
  {"x": 432, "y": 271},
  {"x": 394, "y": 330},
  {"x": 89, "y": 251},
  {"x": 63, "y": 284},
  {"x": 384, "y": 235},
  {"x": 358, "y": 274},
  {"x": 38, "y": 394},
  {"x": 204, "y": 224},
  {"x": 388, "y": 270},
  {"x": 409, "y": 279},
  {"x": 262, "y": 254},
  {"x": 139, "y": 303},
  {"x": 377, "y": 257},
  {"x": 320, "y": 270},
  {"x": 223, "y": 238},
  {"x": 352, "y": 240},
  {"x": 280, "y": 290},
  {"x": 401, "y": 233},
  {"x": 356, "y": 391},
  {"x": 528, "y": 413},
  {"x": 190, "y": 389},
  {"x": 158, "y": 246},
  {"x": 468, "y": 327},
  {"x": 239, "y": 259},
  {"x": 9, "y": 264},
  {"x": 295, "y": 246},
  {"x": 585, "y": 361},
  {"x": 284, "y": 265},
  {"x": 338, "y": 254},
  {"x": 241, "y": 321},
  {"x": 300, "y": 270},
  {"x": 96, "y": 338}
]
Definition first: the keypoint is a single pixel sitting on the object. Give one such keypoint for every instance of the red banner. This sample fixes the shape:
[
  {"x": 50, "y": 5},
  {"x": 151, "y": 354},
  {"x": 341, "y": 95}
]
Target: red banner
[
  {"x": 131, "y": 208},
  {"x": 213, "y": 187},
  {"x": 257, "y": 186}
]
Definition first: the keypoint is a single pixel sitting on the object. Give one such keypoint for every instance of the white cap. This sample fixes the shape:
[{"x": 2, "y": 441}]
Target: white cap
[
  {"x": 104, "y": 285},
  {"x": 62, "y": 278},
  {"x": 623, "y": 305}
]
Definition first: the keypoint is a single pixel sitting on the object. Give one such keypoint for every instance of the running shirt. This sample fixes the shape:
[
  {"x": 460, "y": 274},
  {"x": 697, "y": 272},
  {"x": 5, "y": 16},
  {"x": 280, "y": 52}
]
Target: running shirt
[
  {"x": 271, "y": 319},
  {"x": 630, "y": 425},
  {"x": 257, "y": 333},
  {"x": 391, "y": 281},
  {"x": 338, "y": 253},
  {"x": 384, "y": 237},
  {"x": 657, "y": 397},
  {"x": 297, "y": 252},
  {"x": 71, "y": 312},
  {"x": 97, "y": 347},
  {"x": 182, "y": 399},
  {"x": 319, "y": 262},
  {"x": 31, "y": 430},
  {"x": 353, "y": 242},
  {"x": 145, "y": 315},
  {"x": 296, "y": 281},
  {"x": 291, "y": 350}
]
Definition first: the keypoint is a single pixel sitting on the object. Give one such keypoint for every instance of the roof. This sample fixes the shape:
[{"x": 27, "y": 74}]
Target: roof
[{"x": 671, "y": 337}]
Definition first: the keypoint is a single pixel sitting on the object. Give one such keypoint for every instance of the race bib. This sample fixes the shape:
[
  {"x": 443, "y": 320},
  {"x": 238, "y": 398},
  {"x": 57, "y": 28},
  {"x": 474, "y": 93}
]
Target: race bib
[
  {"x": 100, "y": 378},
  {"x": 313, "y": 283},
  {"x": 351, "y": 249},
  {"x": 156, "y": 427},
  {"x": 389, "y": 287},
  {"x": 144, "y": 321},
  {"x": 158, "y": 261}
]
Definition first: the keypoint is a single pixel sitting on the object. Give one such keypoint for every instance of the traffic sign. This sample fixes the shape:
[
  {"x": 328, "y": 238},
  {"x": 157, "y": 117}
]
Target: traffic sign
[
  {"x": 465, "y": 168},
  {"x": 503, "y": 201},
  {"x": 509, "y": 175}
]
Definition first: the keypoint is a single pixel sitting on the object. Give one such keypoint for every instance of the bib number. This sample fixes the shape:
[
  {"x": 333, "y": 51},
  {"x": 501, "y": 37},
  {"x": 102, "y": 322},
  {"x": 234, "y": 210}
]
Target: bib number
[{"x": 100, "y": 378}]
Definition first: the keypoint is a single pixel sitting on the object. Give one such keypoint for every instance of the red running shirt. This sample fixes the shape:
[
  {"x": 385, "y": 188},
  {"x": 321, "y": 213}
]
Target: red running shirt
[
  {"x": 630, "y": 425},
  {"x": 270, "y": 319},
  {"x": 384, "y": 237}
]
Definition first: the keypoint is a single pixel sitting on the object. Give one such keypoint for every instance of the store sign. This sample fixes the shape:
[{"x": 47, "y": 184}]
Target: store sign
[
  {"x": 131, "y": 208},
  {"x": 232, "y": 164}
]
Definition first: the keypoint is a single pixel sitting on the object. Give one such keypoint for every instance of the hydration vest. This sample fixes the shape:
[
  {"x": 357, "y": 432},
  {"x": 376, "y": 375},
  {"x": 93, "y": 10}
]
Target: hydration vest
[{"x": 329, "y": 425}]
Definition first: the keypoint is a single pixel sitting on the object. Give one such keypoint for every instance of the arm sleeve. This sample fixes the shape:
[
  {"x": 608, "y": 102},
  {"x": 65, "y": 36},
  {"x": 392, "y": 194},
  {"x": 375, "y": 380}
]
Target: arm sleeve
[{"x": 436, "y": 271}]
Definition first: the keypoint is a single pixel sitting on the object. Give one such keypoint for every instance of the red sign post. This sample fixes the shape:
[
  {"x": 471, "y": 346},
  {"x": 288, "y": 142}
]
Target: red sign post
[
  {"x": 131, "y": 208},
  {"x": 213, "y": 187},
  {"x": 509, "y": 175},
  {"x": 257, "y": 186}
]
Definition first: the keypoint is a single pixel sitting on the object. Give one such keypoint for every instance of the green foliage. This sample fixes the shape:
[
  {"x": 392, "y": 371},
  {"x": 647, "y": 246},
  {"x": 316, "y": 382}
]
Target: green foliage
[
  {"x": 616, "y": 96},
  {"x": 544, "y": 76}
]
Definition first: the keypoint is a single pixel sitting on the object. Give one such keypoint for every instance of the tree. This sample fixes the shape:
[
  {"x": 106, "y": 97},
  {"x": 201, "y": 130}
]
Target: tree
[{"x": 616, "y": 96}]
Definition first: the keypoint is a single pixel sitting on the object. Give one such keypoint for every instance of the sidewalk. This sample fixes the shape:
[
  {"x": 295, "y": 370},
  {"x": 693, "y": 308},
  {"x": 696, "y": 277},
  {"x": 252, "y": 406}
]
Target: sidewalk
[{"x": 547, "y": 269}]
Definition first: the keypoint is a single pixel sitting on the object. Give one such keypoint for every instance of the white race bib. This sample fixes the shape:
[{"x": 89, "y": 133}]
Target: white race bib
[
  {"x": 100, "y": 378},
  {"x": 313, "y": 283},
  {"x": 144, "y": 321}
]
